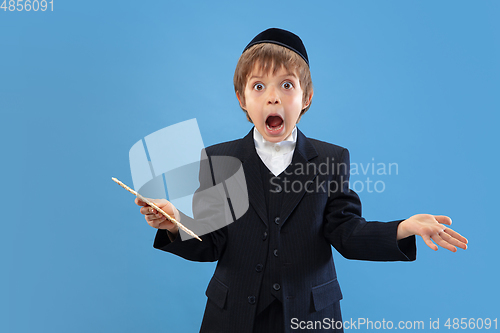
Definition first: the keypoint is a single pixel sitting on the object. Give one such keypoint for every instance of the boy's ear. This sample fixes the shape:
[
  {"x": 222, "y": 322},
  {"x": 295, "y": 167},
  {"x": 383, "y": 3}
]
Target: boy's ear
[
  {"x": 308, "y": 100},
  {"x": 238, "y": 96}
]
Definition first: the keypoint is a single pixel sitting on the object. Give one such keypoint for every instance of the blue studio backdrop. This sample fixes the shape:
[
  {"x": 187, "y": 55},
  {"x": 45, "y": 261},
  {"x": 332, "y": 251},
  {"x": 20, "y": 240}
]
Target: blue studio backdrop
[{"x": 411, "y": 84}]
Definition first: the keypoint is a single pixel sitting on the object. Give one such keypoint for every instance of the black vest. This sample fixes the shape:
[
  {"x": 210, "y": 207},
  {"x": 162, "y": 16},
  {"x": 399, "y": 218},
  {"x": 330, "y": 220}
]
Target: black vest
[{"x": 271, "y": 284}]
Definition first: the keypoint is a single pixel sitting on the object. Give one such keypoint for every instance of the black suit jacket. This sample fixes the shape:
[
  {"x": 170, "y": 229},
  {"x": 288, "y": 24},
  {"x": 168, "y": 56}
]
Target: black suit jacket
[{"x": 313, "y": 218}]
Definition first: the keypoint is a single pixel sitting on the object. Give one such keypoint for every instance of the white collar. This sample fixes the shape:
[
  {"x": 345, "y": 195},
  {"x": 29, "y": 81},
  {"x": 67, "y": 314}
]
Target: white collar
[{"x": 276, "y": 156}]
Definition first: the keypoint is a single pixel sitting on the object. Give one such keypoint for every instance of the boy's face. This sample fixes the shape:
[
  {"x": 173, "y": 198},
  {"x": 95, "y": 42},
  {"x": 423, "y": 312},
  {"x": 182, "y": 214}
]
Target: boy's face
[{"x": 274, "y": 102}]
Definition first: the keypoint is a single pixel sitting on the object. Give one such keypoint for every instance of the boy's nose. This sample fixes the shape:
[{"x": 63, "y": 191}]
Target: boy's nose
[{"x": 273, "y": 96}]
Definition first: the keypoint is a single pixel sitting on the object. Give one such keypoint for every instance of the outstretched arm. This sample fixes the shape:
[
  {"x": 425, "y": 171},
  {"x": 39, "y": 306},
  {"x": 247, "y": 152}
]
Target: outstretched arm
[{"x": 432, "y": 228}]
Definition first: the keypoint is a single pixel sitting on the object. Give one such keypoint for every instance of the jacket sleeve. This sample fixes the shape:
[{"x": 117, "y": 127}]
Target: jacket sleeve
[
  {"x": 209, "y": 249},
  {"x": 354, "y": 237}
]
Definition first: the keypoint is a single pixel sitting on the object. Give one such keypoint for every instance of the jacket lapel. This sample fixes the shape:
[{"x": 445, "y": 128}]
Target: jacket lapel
[
  {"x": 251, "y": 166},
  {"x": 299, "y": 174}
]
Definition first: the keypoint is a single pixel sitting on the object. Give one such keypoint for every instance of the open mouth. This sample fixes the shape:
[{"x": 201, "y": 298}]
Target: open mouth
[{"x": 274, "y": 123}]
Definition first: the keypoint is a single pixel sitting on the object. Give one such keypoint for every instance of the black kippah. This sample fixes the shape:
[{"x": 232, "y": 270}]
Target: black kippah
[{"x": 281, "y": 37}]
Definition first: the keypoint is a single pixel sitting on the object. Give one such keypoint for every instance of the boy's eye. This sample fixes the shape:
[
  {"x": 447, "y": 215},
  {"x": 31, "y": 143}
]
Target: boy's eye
[
  {"x": 287, "y": 85},
  {"x": 258, "y": 86}
]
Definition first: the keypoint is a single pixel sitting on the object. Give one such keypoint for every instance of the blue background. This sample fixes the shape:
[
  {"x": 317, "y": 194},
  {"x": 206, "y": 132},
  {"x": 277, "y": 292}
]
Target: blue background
[{"x": 409, "y": 82}]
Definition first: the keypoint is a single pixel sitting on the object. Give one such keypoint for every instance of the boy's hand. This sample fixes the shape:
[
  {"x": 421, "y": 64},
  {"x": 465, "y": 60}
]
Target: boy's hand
[
  {"x": 432, "y": 228},
  {"x": 155, "y": 218}
]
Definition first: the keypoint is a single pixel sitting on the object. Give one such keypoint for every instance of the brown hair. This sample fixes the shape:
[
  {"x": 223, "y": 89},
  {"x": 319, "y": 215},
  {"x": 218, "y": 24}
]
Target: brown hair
[{"x": 271, "y": 57}]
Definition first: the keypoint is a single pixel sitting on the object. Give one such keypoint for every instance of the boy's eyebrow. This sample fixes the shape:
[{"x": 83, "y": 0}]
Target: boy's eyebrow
[{"x": 260, "y": 77}]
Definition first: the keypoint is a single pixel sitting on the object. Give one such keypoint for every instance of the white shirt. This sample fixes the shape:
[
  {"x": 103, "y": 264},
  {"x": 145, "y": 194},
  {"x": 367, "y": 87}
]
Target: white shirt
[{"x": 276, "y": 156}]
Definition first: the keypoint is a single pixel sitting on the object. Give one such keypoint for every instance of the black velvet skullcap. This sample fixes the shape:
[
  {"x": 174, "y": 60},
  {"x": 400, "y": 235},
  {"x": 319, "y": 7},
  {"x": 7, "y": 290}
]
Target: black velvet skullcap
[{"x": 281, "y": 37}]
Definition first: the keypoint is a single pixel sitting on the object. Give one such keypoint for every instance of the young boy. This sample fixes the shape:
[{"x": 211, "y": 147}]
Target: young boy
[{"x": 275, "y": 265}]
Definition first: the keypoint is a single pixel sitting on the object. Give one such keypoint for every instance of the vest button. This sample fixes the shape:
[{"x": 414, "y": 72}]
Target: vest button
[
  {"x": 275, "y": 252},
  {"x": 276, "y": 286},
  {"x": 259, "y": 268},
  {"x": 277, "y": 220},
  {"x": 251, "y": 299},
  {"x": 264, "y": 237},
  {"x": 278, "y": 189}
]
